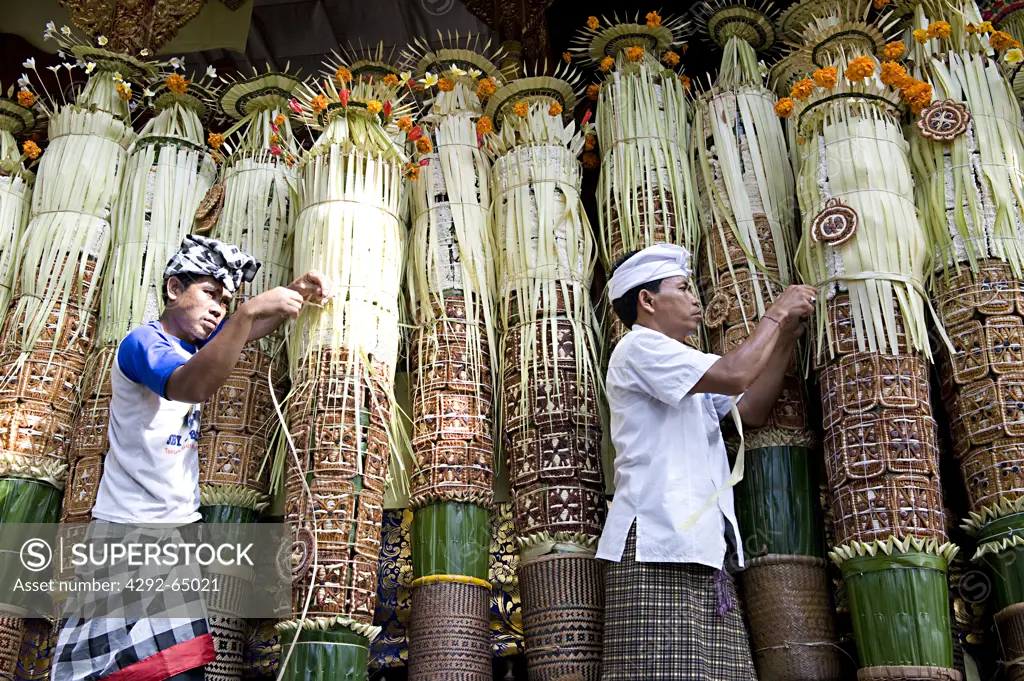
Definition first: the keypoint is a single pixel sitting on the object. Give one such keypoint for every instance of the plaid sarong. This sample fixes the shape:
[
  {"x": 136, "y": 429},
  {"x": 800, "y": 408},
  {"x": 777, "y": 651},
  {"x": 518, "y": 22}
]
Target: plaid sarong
[
  {"x": 171, "y": 635},
  {"x": 661, "y": 622}
]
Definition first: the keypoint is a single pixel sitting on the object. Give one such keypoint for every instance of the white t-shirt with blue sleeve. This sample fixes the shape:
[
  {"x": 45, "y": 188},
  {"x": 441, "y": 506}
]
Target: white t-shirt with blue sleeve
[{"x": 151, "y": 472}]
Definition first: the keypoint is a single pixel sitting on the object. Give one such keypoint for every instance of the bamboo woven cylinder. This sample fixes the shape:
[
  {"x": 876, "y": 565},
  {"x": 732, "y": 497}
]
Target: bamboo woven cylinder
[
  {"x": 1010, "y": 625},
  {"x": 791, "y": 619},
  {"x": 908, "y": 673},
  {"x": 448, "y": 632}
]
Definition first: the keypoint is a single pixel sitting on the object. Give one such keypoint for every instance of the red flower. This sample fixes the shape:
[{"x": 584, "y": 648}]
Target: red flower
[
  {"x": 294, "y": 105},
  {"x": 479, "y": 140},
  {"x": 415, "y": 134},
  {"x": 387, "y": 109},
  {"x": 275, "y": 150},
  {"x": 343, "y": 96},
  {"x": 425, "y": 162},
  {"x": 586, "y": 117},
  {"x": 273, "y": 126}
]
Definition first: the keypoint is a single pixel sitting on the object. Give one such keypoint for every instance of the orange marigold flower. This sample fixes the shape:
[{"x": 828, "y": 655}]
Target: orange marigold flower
[
  {"x": 485, "y": 88},
  {"x": 939, "y": 29},
  {"x": 567, "y": 57},
  {"x": 985, "y": 27},
  {"x": 26, "y": 98},
  {"x": 593, "y": 91},
  {"x": 653, "y": 19},
  {"x": 177, "y": 84},
  {"x": 593, "y": 23},
  {"x": 784, "y": 107},
  {"x": 894, "y": 50},
  {"x": 124, "y": 91},
  {"x": 554, "y": 109},
  {"x": 412, "y": 171},
  {"x": 275, "y": 139},
  {"x": 484, "y": 126},
  {"x": 445, "y": 84},
  {"x": 802, "y": 89},
  {"x": 607, "y": 63},
  {"x": 879, "y": 4},
  {"x": 405, "y": 124},
  {"x": 391, "y": 80},
  {"x": 1000, "y": 40},
  {"x": 971, "y": 28},
  {"x": 893, "y": 74},
  {"x": 921, "y": 35},
  {"x": 685, "y": 80},
  {"x": 31, "y": 149},
  {"x": 374, "y": 107},
  {"x": 591, "y": 160},
  {"x": 826, "y": 77},
  {"x": 670, "y": 58},
  {"x": 635, "y": 53},
  {"x": 424, "y": 146},
  {"x": 215, "y": 140},
  {"x": 521, "y": 109},
  {"x": 859, "y": 69},
  {"x": 343, "y": 74},
  {"x": 589, "y": 143},
  {"x": 319, "y": 104},
  {"x": 279, "y": 120}
]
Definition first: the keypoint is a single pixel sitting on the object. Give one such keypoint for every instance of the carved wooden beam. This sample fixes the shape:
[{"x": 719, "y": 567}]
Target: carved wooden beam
[{"x": 524, "y": 21}]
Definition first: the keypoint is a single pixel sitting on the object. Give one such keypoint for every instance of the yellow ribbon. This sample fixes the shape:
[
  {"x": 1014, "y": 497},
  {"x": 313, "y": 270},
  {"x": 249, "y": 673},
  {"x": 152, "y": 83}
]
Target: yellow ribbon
[{"x": 450, "y": 579}]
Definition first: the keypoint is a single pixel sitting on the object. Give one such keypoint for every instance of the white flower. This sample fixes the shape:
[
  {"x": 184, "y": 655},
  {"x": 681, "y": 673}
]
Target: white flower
[
  {"x": 68, "y": 65},
  {"x": 176, "y": 62},
  {"x": 429, "y": 79},
  {"x": 29, "y": 63},
  {"x": 475, "y": 73},
  {"x": 60, "y": 53},
  {"x": 144, "y": 52},
  {"x": 65, "y": 30},
  {"x": 148, "y": 93},
  {"x": 50, "y": 26},
  {"x": 211, "y": 72},
  {"x": 89, "y": 66},
  {"x": 102, "y": 40},
  {"x": 456, "y": 70},
  {"x": 55, "y": 69},
  {"x": 117, "y": 76},
  {"x": 1014, "y": 56},
  {"x": 23, "y": 81},
  {"x": 405, "y": 76}
]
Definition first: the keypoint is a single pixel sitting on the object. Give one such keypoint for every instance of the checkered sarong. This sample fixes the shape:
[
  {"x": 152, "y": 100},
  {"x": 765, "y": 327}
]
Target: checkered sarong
[
  {"x": 174, "y": 638},
  {"x": 661, "y": 622}
]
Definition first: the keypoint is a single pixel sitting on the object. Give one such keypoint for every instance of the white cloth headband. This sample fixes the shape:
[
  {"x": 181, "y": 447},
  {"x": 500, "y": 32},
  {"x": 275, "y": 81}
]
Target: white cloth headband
[{"x": 651, "y": 264}]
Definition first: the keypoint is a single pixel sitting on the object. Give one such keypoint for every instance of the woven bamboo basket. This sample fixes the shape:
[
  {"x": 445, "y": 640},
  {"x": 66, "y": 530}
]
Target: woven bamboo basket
[
  {"x": 448, "y": 632},
  {"x": 1010, "y": 625},
  {"x": 791, "y": 620},
  {"x": 11, "y": 631},
  {"x": 908, "y": 673}
]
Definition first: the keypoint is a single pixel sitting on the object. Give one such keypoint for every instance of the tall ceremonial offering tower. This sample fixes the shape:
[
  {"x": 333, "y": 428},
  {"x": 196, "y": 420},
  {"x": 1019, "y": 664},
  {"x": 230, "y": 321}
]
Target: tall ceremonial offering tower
[
  {"x": 548, "y": 361},
  {"x": 342, "y": 420},
  {"x": 453, "y": 358},
  {"x": 748, "y": 218},
  {"x": 865, "y": 248}
]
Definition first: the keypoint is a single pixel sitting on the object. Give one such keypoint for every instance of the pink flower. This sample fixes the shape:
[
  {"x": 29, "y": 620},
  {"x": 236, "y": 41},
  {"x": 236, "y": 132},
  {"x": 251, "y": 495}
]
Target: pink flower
[
  {"x": 293, "y": 104},
  {"x": 415, "y": 134},
  {"x": 387, "y": 109},
  {"x": 275, "y": 150},
  {"x": 479, "y": 140},
  {"x": 343, "y": 95},
  {"x": 425, "y": 162},
  {"x": 586, "y": 117},
  {"x": 273, "y": 126}
]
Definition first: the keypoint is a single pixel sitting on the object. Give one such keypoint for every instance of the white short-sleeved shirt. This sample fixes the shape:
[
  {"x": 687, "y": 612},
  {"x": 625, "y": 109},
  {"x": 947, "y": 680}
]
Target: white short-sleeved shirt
[{"x": 669, "y": 454}]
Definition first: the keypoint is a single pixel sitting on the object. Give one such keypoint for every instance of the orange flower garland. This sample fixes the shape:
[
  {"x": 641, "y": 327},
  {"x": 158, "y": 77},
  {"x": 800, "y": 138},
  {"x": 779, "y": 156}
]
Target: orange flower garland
[
  {"x": 26, "y": 98},
  {"x": 784, "y": 107},
  {"x": 319, "y": 104},
  {"x": 343, "y": 74},
  {"x": 593, "y": 91},
  {"x": 521, "y": 109},
  {"x": 635, "y": 53},
  {"x": 670, "y": 58},
  {"x": 215, "y": 140},
  {"x": 424, "y": 146},
  {"x": 607, "y": 63},
  {"x": 484, "y": 126},
  {"x": 653, "y": 19},
  {"x": 31, "y": 149},
  {"x": 405, "y": 124},
  {"x": 826, "y": 77},
  {"x": 445, "y": 84},
  {"x": 177, "y": 84},
  {"x": 802, "y": 89},
  {"x": 593, "y": 23},
  {"x": 894, "y": 50},
  {"x": 859, "y": 69},
  {"x": 391, "y": 80},
  {"x": 374, "y": 107}
]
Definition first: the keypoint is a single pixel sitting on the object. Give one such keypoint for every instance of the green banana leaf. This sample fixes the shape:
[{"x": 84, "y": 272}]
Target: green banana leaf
[
  {"x": 1007, "y": 576},
  {"x": 222, "y": 513},
  {"x": 451, "y": 538},
  {"x": 899, "y": 605},
  {"x": 777, "y": 504},
  {"x": 29, "y": 501},
  {"x": 332, "y": 655}
]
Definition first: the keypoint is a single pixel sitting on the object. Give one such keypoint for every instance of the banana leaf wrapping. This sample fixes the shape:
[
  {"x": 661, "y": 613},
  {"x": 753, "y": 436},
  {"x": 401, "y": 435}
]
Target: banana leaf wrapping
[
  {"x": 549, "y": 343},
  {"x": 342, "y": 655},
  {"x": 239, "y": 425},
  {"x": 342, "y": 424},
  {"x": 451, "y": 538},
  {"x": 166, "y": 175},
  {"x": 452, "y": 290},
  {"x": 61, "y": 255}
]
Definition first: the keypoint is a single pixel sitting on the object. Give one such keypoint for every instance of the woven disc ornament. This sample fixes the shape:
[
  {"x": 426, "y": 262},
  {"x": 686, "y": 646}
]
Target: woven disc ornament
[
  {"x": 302, "y": 553},
  {"x": 944, "y": 121},
  {"x": 835, "y": 224},
  {"x": 716, "y": 310}
]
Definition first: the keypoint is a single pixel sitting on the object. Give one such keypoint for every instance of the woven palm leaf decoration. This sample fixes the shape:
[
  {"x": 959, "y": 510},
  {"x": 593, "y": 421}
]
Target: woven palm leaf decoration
[
  {"x": 863, "y": 245},
  {"x": 167, "y": 173},
  {"x": 341, "y": 415},
  {"x": 968, "y": 153},
  {"x": 453, "y": 357},
  {"x": 748, "y": 221},
  {"x": 646, "y": 191},
  {"x": 548, "y": 354},
  {"x": 61, "y": 256}
]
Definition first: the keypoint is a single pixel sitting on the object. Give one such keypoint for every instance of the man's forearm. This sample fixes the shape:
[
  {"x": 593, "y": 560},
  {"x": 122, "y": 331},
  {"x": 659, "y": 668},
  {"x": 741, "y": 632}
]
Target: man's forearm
[
  {"x": 759, "y": 399},
  {"x": 736, "y": 371},
  {"x": 200, "y": 377}
]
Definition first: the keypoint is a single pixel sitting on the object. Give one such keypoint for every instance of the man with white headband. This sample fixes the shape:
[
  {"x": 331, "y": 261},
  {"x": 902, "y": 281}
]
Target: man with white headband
[{"x": 670, "y": 607}]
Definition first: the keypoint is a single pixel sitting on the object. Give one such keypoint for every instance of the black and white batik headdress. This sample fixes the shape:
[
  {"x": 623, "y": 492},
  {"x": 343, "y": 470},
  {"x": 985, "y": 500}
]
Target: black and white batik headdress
[{"x": 202, "y": 256}]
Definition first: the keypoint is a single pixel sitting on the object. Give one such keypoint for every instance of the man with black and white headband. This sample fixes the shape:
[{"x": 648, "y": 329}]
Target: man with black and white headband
[{"x": 164, "y": 371}]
